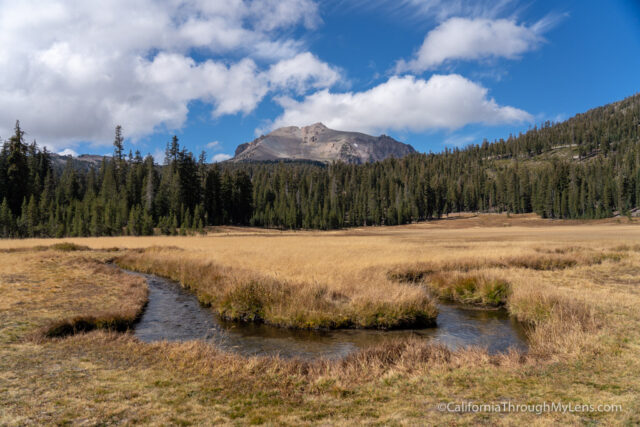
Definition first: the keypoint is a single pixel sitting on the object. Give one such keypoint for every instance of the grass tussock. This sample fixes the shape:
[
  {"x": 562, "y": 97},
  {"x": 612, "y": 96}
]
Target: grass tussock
[
  {"x": 561, "y": 250},
  {"x": 242, "y": 295},
  {"x": 68, "y": 247},
  {"x": 558, "y": 259},
  {"x": 627, "y": 248},
  {"x": 476, "y": 289},
  {"x": 560, "y": 326},
  {"x": 537, "y": 303},
  {"x": 61, "y": 246}
]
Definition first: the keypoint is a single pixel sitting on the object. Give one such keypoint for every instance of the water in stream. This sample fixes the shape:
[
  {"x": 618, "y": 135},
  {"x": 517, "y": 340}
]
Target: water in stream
[{"x": 174, "y": 314}]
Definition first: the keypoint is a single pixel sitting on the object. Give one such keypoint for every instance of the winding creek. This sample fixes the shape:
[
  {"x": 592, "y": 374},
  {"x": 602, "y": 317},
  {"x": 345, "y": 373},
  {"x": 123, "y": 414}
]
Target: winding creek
[{"x": 174, "y": 314}]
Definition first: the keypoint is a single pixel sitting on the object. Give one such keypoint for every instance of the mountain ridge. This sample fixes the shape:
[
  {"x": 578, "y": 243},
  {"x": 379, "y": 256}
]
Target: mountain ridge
[{"x": 319, "y": 143}]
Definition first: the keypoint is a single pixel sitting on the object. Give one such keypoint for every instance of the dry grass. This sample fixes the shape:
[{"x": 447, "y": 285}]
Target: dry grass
[
  {"x": 240, "y": 294},
  {"x": 476, "y": 289},
  {"x": 54, "y": 292},
  {"x": 577, "y": 285}
]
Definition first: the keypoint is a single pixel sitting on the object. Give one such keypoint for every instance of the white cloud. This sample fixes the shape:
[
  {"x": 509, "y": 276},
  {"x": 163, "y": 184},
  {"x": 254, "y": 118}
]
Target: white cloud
[
  {"x": 221, "y": 157},
  {"x": 213, "y": 145},
  {"x": 474, "y": 39},
  {"x": 302, "y": 72},
  {"x": 172, "y": 80},
  {"x": 68, "y": 152},
  {"x": 272, "y": 14},
  {"x": 72, "y": 69},
  {"x": 401, "y": 103}
]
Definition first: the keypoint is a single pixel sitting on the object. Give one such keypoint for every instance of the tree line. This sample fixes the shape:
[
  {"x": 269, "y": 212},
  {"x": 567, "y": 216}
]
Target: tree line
[
  {"x": 125, "y": 195},
  {"x": 585, "y": 167}
]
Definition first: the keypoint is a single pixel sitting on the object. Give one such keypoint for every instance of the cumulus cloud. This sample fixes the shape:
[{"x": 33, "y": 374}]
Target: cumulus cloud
[
  {"x": 401, "y": 103},
  {"x": 213, "y": 145},
  {"x": 302, "y": 72},
  {"x": 220, "y": 157},
  {"x": 72, "y": 69},
  {"x": 173, "y": 80},
  {"x": 474, "y": 39}
]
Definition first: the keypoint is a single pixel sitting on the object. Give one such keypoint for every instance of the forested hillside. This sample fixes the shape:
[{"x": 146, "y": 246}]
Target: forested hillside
[{"x": 585, "y": 167}]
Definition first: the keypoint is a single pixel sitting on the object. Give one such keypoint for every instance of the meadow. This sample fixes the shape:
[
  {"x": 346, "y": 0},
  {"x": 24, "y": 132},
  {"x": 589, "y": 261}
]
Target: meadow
[{"x": 64, "y": 357}]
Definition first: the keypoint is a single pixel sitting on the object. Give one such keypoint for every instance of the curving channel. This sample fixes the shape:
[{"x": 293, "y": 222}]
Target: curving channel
[{"x": 174, "y": 314}]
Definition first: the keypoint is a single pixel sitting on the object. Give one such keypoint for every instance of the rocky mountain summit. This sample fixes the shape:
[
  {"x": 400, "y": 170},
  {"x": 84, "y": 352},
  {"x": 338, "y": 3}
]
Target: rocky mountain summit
[
  {"x": 81, "y": 162},
  {"x": 319, "y": 143}
]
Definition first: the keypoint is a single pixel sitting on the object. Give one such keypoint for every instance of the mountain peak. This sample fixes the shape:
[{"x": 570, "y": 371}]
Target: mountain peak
[
  {"x": 319, "y": 143},
  {"x": 316, "y": 126}
]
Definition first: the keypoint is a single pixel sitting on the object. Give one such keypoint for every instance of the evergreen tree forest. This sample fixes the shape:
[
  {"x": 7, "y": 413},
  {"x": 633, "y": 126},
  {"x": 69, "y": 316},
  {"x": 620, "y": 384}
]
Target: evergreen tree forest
[
  {"x": 125, "y": 195},
  {"x": 586, "y": 167}
]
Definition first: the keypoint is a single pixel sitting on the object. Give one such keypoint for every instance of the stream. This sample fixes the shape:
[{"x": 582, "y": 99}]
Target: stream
[{"x": 175, "y": 314}]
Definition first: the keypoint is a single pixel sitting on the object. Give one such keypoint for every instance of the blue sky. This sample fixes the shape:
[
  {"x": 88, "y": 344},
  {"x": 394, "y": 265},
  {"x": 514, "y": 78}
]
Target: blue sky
[{"x": 427, "y": 72}]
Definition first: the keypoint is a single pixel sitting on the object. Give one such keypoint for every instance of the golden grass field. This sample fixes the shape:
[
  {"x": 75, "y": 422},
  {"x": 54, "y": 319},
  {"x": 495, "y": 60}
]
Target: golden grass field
[{"x": 575, "y": 283}]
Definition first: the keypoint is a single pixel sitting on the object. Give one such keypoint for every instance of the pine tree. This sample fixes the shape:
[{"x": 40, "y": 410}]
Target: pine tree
[
  {"x": 31, "y": 218},
  {"x": 7, "y": 226},
  {"x": 17, "y": 172},
  {"x": 147, "y": 224},
  {"x": 118, "y": 145},
  {"x": 243, "y": 197}
]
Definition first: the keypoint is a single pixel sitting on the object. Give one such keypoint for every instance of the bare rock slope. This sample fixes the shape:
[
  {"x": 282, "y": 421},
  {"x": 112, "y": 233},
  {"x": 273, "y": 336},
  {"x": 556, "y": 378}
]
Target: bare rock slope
[{"x": 319, "y": 143}]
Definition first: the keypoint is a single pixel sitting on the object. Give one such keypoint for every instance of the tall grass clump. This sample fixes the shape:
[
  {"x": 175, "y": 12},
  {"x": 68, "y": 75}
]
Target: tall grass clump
[
  {"x": 64, "y": 247},
  {"x": 559, "y": 259},
  {"x": 477, "y": 289},
  {"x": 559, "y": 324},
  {"x": 241, "y": 295}
]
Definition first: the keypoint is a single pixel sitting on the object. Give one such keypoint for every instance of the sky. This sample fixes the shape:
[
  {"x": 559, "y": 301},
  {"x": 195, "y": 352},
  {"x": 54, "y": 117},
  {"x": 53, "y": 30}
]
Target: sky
[{"x": 431, "y": 73}]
